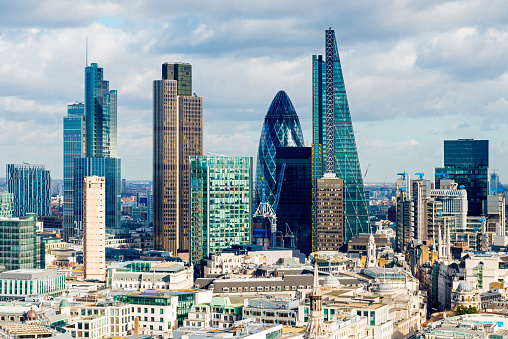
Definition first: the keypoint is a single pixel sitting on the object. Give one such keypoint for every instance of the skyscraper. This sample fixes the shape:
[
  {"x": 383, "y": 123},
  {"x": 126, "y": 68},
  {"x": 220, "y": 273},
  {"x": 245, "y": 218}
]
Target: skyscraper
[
  {"x": 178, "y": 134},
  {"x": 295, "y": 204},
  {"x": 90, "y": 132},
  {"x": 220, "y": 204},
  {"x": 94, "y": 228},
  {"x": 466, "y": 161},
  {"x": 334, "y": 146},
  {"x": 281, "y": 128},
  {"x": 30, "y": 186},
  {"x": 74, "y": 130},
  {"x": 18, "y": 242}
]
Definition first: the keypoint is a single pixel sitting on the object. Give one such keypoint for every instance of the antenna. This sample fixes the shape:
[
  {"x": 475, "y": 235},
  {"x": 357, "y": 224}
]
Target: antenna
[{"x": 86, "y": 52}]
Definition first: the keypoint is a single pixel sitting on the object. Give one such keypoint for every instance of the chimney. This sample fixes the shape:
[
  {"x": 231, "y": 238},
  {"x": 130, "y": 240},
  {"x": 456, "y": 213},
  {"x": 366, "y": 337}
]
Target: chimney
[{"x": 136, "y": 325}]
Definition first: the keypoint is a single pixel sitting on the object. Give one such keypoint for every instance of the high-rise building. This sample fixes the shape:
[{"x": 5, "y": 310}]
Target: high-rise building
[
  {"x": 334, "y": 146},
  {"x": 281, "y": 128},
  {"x": 94, "y": 228},
  {"x": 220, "y": 204},
  {"x": 330, "y": 213},
  {"x": 295, "y": 202},
  {"x": 495, "y": 210},
  {"x": 466, "y": 161},
  {"x": 178, "y": 134},
  {"x": 74, "y": 130},
  {"x": 109, "y": 168},
  {"x": 405, "y": 219},
  {"x": 90, "y": 132},
  {"x": 18, "y": 242},
  {"x": 5, "y": 205},
  {"x": 30, "y": 186},
  {"x": 101, "y": 114}
]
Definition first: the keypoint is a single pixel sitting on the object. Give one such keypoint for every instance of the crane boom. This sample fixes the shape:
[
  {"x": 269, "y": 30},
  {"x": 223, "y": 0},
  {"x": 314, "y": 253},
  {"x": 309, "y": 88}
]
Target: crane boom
[{"x": 279, "y": 187}]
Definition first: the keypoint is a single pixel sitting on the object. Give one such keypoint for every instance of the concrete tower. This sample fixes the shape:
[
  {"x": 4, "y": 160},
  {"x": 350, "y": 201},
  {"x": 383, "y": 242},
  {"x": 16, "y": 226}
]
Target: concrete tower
[{"x": 94, "y": 230}]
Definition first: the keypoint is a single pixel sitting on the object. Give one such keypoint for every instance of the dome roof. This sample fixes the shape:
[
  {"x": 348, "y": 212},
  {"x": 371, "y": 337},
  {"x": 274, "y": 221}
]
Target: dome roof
[
  {"x": 385, "y": 287},
  {"x": 31, "y": 315},
  {"x": 331, "y": 281},
  {"x": 64, "y": 303},
  {"x": 464, "y": 286}
]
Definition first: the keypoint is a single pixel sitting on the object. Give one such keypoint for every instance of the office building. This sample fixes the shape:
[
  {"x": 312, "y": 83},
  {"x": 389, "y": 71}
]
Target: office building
[
  {"x": 74, "y": 130},
  {"x": 405, "y": 218},
  {"x": 295, "y": 202},
  {"x": 18, "y": 243},
  {"x": 90, "y": 133},
  {"x": 5, "y": 205},
  {"x": 281, "y": 128},
  {"x": 466, "y": 161},
  {"x": 495, "y": 211},
  {"x": 330, "y": 214},
  {"x": 109, "y": 168},
  {"x": 94, "y": 228},
  {"x": 334, "y": 146},
  {"x": 220, "y": 204},
  {"x": 178, "y": 135},
  {"x": 30, "y": 186},
  {"x": 31, "y": 284}
]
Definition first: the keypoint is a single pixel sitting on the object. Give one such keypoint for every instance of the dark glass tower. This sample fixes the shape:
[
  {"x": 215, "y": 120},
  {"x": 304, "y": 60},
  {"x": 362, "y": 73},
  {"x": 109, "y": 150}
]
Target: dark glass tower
[
  {"x": 295, "y": 204},
  {"x": 280, "y": 129},
  {"x": 467, "y": 162},
  {"x": 330, "y": 105}
]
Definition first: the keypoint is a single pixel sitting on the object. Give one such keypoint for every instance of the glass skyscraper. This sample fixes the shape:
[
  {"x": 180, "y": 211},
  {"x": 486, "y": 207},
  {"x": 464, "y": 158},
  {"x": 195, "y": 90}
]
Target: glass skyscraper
[
  {"x": 220, "y": 204},
  {"x": 108, "y": 168},
  {"x": 281, "y": 128},
  {"x": 295, "y": 204},
  {"x": 5, "y": 205},
  {"x": 18, "y": 242},
  {"x": 466, "y": 161},
  {"x": 30, "y": 186},
  {"x": 73, "y": 147},
  {"x": 90, "y": 132},
  {"x": 329, "y": 96}
]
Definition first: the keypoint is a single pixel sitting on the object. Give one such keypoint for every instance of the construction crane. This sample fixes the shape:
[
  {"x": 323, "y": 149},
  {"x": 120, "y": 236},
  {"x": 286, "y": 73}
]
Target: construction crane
[
  {"x": 420, "y": 175},
  {"x": 266, "y": 211},
  {"x": 366, "y": 171}
]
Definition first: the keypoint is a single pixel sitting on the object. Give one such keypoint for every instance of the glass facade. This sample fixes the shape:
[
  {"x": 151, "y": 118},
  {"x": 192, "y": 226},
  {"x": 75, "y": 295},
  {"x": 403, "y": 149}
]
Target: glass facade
[
  {"x": 18, "y": 243},
  {"x": 346, "y": 161},
  {"x": 90, "y": 132},
  {"x": 280, "y": 129},
  {"x": 5, "y": 205},
  {"x": 295, "y": 204},
  {"x": 73, "y": 147},
  {"x": 467, "y": 162},
  {"x": 100, "y": 112},
  {"x": 102, "y": 167},
  {"x": 220, "y": 204},
  {"x": 30, "y": 186}
]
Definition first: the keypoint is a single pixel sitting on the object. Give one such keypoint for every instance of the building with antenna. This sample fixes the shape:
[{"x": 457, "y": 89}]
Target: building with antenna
[{"x": 334, "y": 146}]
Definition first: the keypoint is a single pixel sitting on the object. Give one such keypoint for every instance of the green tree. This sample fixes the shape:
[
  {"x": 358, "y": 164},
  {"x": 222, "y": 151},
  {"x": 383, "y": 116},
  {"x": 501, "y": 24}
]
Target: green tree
[{"x": 466, "y": 310}]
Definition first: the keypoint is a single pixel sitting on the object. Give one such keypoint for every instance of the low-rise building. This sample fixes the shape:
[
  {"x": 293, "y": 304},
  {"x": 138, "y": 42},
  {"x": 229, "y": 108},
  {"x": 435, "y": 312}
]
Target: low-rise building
[
  {"x": 143, "y": 275},
  {"x": 272, "y": 310},
  {"x": 31, "y": 284},
  {"x": 245, "y": 329}
]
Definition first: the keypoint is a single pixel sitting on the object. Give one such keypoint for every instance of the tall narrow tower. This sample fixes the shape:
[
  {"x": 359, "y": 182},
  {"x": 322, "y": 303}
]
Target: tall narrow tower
[
  {"x": 178, "y": 134},
  {"x": 94, "y": 228},
  {"x": 334, "y": 146},
  {"x": 315, "y": 327}
]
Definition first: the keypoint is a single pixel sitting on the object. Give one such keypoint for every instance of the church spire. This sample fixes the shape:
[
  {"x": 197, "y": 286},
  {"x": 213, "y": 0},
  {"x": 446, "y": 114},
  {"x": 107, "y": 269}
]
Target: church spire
[{"x": 315, "y": 328}]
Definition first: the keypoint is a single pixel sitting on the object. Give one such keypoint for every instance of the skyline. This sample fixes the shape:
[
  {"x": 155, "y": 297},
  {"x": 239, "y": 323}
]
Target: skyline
[{"x": 415, "y": 75}]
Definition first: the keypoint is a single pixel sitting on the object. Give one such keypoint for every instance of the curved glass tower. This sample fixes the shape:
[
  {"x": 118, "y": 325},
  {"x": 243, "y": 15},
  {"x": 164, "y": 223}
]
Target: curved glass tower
[{"x": 280, "y": 129}]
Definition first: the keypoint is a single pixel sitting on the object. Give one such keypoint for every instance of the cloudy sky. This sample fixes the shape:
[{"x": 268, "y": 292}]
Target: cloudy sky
[{"x": 416, "y": 72}]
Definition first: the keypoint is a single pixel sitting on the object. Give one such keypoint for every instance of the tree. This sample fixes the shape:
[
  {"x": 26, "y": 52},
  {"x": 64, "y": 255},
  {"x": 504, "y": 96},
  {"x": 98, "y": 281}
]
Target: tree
[{"x": 466, "y": 310}]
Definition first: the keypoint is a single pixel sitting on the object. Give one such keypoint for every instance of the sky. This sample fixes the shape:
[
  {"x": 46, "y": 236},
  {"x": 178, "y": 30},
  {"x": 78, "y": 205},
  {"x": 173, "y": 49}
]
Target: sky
[{"x": 416, "y": 73}]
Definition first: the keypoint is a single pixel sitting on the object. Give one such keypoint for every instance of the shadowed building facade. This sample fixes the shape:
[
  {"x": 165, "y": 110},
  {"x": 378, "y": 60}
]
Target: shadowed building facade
[
  {"x": 30, "y": 187},
  {"x": 178, "y": 134}
]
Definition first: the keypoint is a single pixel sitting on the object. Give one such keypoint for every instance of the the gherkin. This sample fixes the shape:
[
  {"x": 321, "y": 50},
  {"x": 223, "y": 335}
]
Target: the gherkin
[{"x": 280, "y": 129}]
